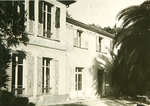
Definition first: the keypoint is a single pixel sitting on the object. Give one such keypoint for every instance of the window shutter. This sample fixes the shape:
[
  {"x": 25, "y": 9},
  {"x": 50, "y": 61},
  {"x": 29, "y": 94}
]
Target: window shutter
[
  {"x": 39, "y": 76},
  {"x": 56, "y": 77},
  {"x": 31, "y": 10},
  {"x": 30, "y": 75},
  {"x": 83, "y": 39},
  {"x": 88, "y": 83},
  {"x": 75, "y": 42},
  {"x": 40, "y": 18},
  {"x": 40, "y": 29},
  {"x": 97, "y": 43},
  {"x": 111, "y": 45},
  {"x": 57, "y": 18},
  {"x": 57, "y": 33},
  {"x": 86, "y": 41},
  {"x": 31, "y": 26},
  {"x": 103, "y": 46},
  {"x": 41, "y": 8},
  {"x": 72, "y": 82}
]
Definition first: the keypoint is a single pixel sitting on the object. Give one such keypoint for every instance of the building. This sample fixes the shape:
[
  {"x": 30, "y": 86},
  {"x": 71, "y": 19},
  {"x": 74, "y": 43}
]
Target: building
[
  {"x": 54, "y": 66},
  {"x": 84, "y": 44}
]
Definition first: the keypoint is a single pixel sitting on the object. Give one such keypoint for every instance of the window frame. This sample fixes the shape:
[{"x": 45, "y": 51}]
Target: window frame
[
  {"x": 46, "y": 86},
  {"x": 99, "y": 44},
  {"x": 77, "y": 82},
  {"x": 16, "y": 88}
]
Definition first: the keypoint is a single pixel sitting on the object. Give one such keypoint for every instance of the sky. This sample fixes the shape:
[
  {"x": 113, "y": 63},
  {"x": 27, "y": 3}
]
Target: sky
[{"x": 99, "y": 12}]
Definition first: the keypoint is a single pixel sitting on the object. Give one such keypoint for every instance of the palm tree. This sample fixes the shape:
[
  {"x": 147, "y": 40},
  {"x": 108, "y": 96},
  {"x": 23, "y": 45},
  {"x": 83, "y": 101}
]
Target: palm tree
[{"x": 132, "y": 66}]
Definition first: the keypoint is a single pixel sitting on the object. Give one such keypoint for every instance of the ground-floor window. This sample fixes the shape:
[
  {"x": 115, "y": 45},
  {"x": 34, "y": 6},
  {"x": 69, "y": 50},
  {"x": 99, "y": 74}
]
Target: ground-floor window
[
  {"x": 18, "y": 74},
  {"x": 46, "y": 75},
  {"x": 78, "y": 78}
]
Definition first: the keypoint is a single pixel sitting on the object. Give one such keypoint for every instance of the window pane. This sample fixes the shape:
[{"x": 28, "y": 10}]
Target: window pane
[
  {"x": 49, "y": 8},
  {"x": 49, "y": 22},
  {"x": 20, "y": 76},
  {"x": 79, "y": 77},
  {"x": 20, "y": 60},
  {"x": 31, "y": 9},
  {"x": 80, "y": 70},
  {"x": 47, "y": 62},
  {"x": 79, "y": 86}
]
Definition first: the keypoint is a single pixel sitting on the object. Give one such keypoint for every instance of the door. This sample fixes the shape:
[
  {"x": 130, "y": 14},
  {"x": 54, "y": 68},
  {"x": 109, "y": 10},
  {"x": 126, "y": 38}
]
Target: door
[{"x": 79, "y": 82}]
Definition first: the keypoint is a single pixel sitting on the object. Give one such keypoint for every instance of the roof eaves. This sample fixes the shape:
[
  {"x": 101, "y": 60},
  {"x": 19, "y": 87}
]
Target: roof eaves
[{"x": 88, "y": 27}]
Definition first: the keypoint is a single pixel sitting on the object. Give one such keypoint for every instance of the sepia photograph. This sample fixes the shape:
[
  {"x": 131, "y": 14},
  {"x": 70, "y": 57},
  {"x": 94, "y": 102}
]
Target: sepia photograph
[{"x": 74, "y": 53}]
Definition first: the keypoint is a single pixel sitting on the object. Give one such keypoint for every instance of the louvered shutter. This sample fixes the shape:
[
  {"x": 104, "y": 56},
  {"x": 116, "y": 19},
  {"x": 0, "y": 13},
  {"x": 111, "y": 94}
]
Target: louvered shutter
[
  {"x": 103, "y": 46},
  {"x": 88, "y": 83},
  {"x": 72, "y": 82},
  {"x": 31, "y": 26},
  {"x": 75, "y": 39},
  {"x": 86, "y": 41},
  {"x": 39, "y": 76},
  {"x": 40, "y": 18},
  {"x": 52, "y": 76},
  {"x": 57, "y": 17},
  {"x": 57, "y": 32},
  {"x": 97, "y": 44},
  {"x": 30, "y": 75},
  {"x": 83, "y": 39},
  {"x": 56, "y": 77}
]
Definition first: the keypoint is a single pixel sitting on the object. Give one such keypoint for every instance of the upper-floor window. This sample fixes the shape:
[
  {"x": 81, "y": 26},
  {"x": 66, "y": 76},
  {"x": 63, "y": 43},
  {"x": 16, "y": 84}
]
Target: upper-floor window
[
  {"x": 77, "y": 38},
  {"x": 98, "y": 44},
  {"x": 80, "y": 39},
  {"x": 47, "y": 20}
]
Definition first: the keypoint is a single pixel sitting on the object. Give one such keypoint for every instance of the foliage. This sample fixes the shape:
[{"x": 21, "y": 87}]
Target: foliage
[
  {"x": 12, "y": 31},
  {"x": 132, "y": 65},
  {"x": 8, "y": 99}
]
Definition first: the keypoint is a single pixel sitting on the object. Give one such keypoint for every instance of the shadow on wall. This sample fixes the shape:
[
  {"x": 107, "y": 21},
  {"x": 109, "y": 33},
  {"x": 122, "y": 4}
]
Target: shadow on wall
[
  {"x": 101, "y": 70},
  {"x": 97, "y": 80}
]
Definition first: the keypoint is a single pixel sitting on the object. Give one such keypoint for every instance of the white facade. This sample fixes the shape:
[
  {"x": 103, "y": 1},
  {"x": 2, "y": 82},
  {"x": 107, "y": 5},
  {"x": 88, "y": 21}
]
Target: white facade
[{"x": 56, "y": 64}]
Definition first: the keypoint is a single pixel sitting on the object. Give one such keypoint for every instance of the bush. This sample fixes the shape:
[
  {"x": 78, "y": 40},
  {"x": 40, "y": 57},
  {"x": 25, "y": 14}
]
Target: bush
[{"x": 7, "y": 99}]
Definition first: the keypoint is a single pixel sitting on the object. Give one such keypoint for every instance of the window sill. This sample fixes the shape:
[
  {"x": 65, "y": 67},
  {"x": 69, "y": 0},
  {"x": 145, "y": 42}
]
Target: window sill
[
  {"x": 101, "y": 52},
  {"x": 48, "y": 38},
  {"x": 80, "y": 47}
]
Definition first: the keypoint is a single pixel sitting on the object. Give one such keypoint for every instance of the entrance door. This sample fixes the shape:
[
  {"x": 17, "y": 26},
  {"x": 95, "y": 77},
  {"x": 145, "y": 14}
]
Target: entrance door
[{"x": 79, "y": 82}]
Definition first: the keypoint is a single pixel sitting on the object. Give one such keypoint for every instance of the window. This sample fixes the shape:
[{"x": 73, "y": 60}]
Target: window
[
  {"x": 47, "y": 20},
  {"x": 98, "y": 44},
  {"x": 17, "y": 74},
  {"x": 77, "y": 38},
  {"x": 31, "y": 9},
  {"x": 78, "y": 79},
  {"x": 48, "y": 24},
  {"x": 46, "y": 75}
]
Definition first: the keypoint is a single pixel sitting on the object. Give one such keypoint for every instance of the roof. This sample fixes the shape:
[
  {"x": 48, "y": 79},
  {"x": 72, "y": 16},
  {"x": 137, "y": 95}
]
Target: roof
[
  {"x": 89, "y": 27},
  {"x": 67, "y": 2}
]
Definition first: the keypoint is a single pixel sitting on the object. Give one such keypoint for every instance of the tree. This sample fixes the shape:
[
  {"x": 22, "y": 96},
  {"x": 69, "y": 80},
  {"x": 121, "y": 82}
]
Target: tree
[
  {"x": 132, "y": 64},
  {"x": 12, "y": 31}
]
